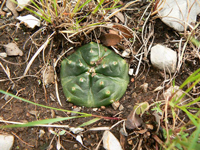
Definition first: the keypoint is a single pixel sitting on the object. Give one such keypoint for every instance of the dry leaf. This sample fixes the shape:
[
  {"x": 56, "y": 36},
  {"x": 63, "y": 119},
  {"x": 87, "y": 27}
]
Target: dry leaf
[
  {"x": 29, "y": 20},
  {"x": 22, "y": 4},
  {"x": 79, "y": 139},
  {"x": 110, "y": 142},
  {"x": 3, "y": 54},
  {"x": 158, "y": 88},
  {"x": 119, "y": 15},
  {"x": 110, "y": 39},
  {"x": 58, "y": 145},
  {"x": 168, "y": 93},
  {"x": 113, "y": 32},
  {"x": 76, "y": 130},
  {"x": 48, "y": 75},
  {"x": 141, "y": 131},
  {"x": 11, "y": 6},
  {"x": 122, "y": 140},
  {"x": 125, "y": 32},
  {"x": 133, "y": 121},
  {"x": 144, "y": 87},
  {"x": 13, "y": 50}
]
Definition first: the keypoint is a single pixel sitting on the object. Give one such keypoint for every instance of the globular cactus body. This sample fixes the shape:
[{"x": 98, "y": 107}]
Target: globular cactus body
[{"x": 94, "y": 76}]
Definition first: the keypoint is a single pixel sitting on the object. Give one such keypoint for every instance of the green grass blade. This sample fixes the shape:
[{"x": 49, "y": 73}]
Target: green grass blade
[
  {"x": 191, "y": 116},
  {"x": 17, "y": 97},
  {"x": 41, "y": 122},
  {"x": 192, "y": 102},
  {"x": 55, "y": 7},
  {"x": 76, "y": 7},
  {"x": 97, "y": 7},
  {"x": 196, "y": 79},
  {"x": 191, "y": 78},
  {"x": 195, "y": 41},
  {"x": 83, "y": 5},
  {"x": 90, "y": 122},
  {"x": 37, "y": 14},
  {"x": 41, "y": 10},
  {"x": 193, "y": 144}
]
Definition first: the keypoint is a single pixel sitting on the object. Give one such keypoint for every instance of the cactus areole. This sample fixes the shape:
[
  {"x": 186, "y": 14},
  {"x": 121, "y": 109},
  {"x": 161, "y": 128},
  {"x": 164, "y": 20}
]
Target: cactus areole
[{"x": 94, "y": 76}]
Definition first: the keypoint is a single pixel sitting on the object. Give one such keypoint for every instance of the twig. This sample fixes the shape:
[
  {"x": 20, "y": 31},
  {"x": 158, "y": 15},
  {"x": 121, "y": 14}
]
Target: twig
[
  {"x": 11, "y": 99},
  {"x": 19, "y": 78},
  {"x": 55, "y": 75},
  {"x": 7, "y": 71},
  {"x": 22, "y": 140},
  {"x": 118, "y": 10},
  {"x": 37, "y": 53}
]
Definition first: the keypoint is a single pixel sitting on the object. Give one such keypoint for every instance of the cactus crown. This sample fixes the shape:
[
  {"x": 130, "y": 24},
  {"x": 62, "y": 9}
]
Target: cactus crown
[{"x": 94, "y": 76}]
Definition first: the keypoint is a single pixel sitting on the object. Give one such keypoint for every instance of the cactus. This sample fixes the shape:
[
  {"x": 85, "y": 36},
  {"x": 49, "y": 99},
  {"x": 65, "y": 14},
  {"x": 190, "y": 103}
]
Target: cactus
[{"x": 94, "y": 76}]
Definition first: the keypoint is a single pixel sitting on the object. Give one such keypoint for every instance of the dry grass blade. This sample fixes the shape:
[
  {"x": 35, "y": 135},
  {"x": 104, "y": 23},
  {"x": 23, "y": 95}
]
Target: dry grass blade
[
  {"x": 118, "y": 10},
  {"x": 125, "y": 32}
]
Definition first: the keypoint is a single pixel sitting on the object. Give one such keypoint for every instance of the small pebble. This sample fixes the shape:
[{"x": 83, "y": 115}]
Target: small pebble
[
  {"x": 95, "y": 109},
  {"x": 75, "y": 145},
  {"x": 77, "y": 109},
  {"x": 115, "y": 105},
  {"x": 130, "y": 142},
  {"x": 103, "y": 107},
  {"x": 6, "y": 141},
  {"x": 121, "y": 107},
  {"x": 163, "y": 58},
  {"x": 134, "y": 95},
  {"x": 8, "y": 14},
  {"x": 144, "y": 87},
  {"x": 131, "y": 70}
]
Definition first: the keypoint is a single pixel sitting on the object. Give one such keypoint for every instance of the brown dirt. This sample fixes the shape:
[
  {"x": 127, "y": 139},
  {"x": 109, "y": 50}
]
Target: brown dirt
[{"x": 31, "y": 88}]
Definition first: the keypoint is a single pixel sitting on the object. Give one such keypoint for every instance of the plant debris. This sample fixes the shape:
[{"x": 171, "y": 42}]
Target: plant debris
[
  {"x": 13, "y": 50},
  {"x": 29, "y": 20}
]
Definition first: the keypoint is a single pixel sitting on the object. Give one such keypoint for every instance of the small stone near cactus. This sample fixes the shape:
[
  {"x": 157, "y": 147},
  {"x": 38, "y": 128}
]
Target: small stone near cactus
[{"x": 94, "y": 76}]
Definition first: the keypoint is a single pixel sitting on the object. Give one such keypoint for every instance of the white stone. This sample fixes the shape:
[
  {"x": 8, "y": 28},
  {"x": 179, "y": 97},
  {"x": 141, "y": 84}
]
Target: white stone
[
  {"x": 178, "y": 14},
  {"x": 110, "y": 142},
  {"x": 6, "y": 141},
  {"x": 163, "y": 58}
]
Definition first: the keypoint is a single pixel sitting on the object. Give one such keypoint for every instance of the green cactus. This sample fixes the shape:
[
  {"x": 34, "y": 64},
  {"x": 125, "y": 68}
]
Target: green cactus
[{"x": 94, "y": 76}]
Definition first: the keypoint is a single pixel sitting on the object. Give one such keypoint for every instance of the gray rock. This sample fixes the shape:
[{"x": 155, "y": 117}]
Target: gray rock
[
  {"x": 163, "y": 58},
  {"x": 6, "y": 141},
  {"x": 77, "y": 109},
  {"x": 178, "y": 14}
]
